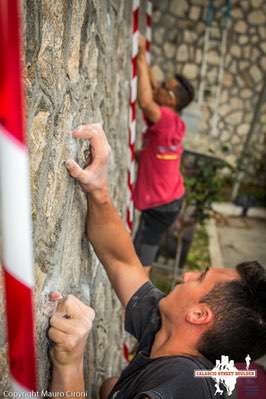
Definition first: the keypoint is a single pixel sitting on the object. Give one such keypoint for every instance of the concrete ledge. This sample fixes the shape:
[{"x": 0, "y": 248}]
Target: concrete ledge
[{"x": 229, "y": 209}]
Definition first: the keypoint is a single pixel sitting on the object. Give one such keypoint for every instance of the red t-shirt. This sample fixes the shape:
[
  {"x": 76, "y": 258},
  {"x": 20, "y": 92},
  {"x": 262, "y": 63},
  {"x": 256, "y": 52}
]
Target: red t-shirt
[{"x": 159, "y": 180}]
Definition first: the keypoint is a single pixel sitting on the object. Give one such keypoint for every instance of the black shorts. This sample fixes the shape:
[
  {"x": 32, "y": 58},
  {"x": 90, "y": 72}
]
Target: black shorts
[{"x": 154, "y": 222}]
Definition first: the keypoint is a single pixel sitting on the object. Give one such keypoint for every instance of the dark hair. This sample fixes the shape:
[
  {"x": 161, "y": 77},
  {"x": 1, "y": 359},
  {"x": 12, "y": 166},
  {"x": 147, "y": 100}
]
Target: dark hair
[
  {"x": 184, "y": 92},
  {"x": 239, "y": 308}
]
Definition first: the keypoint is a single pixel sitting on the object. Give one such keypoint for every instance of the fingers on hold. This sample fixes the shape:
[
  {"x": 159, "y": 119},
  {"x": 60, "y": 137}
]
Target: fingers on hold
[
  {"x": 90, "y": 313},
  {"x": 73, "y": 168},
  {"x": 70, "y": 306},
  {"x": 59, "y": 322},
  {"x": 55, "y": 296},
  {"x": 57, "y": 336},
  {"x": 74, "y": 308},
  {"x": 88, "y": 131},
  {"x": 66, "y": 342}
]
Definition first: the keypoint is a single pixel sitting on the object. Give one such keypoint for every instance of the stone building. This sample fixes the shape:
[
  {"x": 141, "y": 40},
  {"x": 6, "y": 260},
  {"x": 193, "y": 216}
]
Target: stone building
[{"x": 222, "y": 50}]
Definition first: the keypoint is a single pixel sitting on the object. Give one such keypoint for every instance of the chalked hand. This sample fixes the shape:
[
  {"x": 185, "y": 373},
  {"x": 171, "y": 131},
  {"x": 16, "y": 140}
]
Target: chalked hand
[
  {"x": 70, "y": 326},
  {"x": 94, "y": 177}
]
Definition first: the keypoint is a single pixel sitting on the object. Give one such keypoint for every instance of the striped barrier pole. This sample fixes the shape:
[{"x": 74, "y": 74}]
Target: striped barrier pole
[
  {"x": 132, "y": 112},
  {"x": 15, "y": 206},
  {"x": 148, "y": 31}
]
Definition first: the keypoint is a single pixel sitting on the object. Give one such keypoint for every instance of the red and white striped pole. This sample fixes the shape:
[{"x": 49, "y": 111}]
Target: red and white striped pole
[
  {"x": 148, "y": 31},
  {"x": 133, "y": 112},
  {"x": 15, "y": 206}
]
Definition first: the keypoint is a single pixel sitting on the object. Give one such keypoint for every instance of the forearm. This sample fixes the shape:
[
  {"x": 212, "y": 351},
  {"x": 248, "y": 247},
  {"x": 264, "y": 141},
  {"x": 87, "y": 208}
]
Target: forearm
[
  {"x": 154, "y": 83},
  {"x": 69, "y": 380},
  {"x": 113, "y": 246},
  {"x": 144, "y": 94}
]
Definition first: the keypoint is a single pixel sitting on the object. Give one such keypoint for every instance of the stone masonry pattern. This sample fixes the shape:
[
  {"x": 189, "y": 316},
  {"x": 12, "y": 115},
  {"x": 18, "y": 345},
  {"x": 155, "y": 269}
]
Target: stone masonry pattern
[{"x": 179, "y": 28}]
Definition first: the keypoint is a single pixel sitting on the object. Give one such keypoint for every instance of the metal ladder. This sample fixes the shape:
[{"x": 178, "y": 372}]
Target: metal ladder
[{"x": 209, "y": 39}]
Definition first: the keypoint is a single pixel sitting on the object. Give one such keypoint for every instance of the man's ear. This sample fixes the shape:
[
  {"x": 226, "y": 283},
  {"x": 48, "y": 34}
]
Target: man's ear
[{"x": 200, "y": 313}]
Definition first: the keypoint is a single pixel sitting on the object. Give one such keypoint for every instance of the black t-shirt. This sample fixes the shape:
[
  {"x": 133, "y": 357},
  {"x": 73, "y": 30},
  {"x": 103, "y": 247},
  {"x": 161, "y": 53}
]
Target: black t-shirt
[{"x": 166, "y": 377}]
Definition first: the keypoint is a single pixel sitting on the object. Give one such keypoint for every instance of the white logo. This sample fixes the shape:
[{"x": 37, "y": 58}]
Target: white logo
[{"x": 225, "y": 374}]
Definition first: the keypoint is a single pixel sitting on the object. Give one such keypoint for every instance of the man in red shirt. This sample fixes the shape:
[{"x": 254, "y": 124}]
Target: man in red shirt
[{"x": 159, "y": 186}]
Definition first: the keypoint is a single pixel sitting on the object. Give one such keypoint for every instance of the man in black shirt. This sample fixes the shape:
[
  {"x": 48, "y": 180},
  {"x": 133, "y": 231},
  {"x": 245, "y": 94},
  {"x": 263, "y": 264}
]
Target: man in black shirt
[
  {"x": 212, "y": 313},
  {"x": 169, "y": 375}
]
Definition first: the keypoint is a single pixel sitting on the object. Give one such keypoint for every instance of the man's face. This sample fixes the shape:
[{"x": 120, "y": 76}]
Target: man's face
[
  {"x": 194, "y": 287},
  {"x": 165, "y": 94}
]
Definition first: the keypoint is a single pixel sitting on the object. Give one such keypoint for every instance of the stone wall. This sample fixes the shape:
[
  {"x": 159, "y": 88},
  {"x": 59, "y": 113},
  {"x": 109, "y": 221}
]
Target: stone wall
[
  {"x": 178, "y": 46},
  {"x": 77, "y": 69}
]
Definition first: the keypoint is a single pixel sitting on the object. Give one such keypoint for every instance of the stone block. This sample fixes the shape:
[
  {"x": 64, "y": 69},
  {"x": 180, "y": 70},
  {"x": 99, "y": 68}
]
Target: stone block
[
  {"x": 169, "y": 50},
  {"x": 257, "y": 3},
  {"x": 194, "y": 13},
  {"x": 158, "y": 35},
  {"x": 234, "y": 118},
  {"x": 155, "y": 51},
  {"x": 225, "y": 135},
  {"x": 224, "y": 109},
  {"x": 240, "y": 27},
  {"x": 243, "y": 39},
  {"x": 182, "y": 53},
  {"x": 237, "y": 13},
  {"x": 169, "y": 67},
  {"x": 256, "y": 73},
  {"x": 178, "y": 7},
  {"x": 235, "y": 50},
  {"x": 156, "y": 16},
  {"x": 228, "y": 79},
  {"x": 247, "y": 51},
  {"x": 171, "y": 35},
  {"x": 236, "y": 103},
  {"x": 255, "y": 53},
  {"x": 243, "y": 129},
  {"x": 246, "y": 93},
  {"x": 214, "y": 58},
  {"x": 263, "y": 63},
  {"x": 190, "y": 36},
  {"x": 262, "y": 32},
  {"x": 263, "y": 47},
  {"x": 235, "y": 139},
  {"x": 257, "y": 18},
  {"x": 245, "y": 4},
  {"x": 162, "y": 5},
  {"x": 191, "y": 71},
  {"x": 243, "y": 65},
  {"x": 168, "y": 21},
  {"x": 240, "y": 82},
  {"x": 254, "y": 39}
]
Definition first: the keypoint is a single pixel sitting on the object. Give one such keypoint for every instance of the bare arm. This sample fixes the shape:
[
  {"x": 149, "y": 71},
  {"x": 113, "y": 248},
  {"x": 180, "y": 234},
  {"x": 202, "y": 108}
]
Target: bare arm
[
  {"x": 145, "y": 96},
  {"x": 68, "y": 379},
  {"x": 105, "y": 229},
  {"x": 154, "y": 83}
]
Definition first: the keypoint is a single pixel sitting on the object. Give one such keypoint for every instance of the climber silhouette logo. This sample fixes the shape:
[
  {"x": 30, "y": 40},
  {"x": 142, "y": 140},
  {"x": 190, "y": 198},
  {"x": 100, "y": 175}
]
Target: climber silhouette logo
[{"x": 225, "y": 374}]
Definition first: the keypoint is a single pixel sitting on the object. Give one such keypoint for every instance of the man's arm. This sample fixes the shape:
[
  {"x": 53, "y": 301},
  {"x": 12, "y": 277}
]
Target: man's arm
[
  {"x": 145, "y": 96},
  {"x": 69, "y": 329},
  {"x": 105, "y": 229},
  {"x": 154, "y": 82}
]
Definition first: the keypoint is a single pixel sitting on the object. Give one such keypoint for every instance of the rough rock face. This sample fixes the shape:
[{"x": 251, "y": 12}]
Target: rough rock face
[{"x": 77, "y": 69}]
